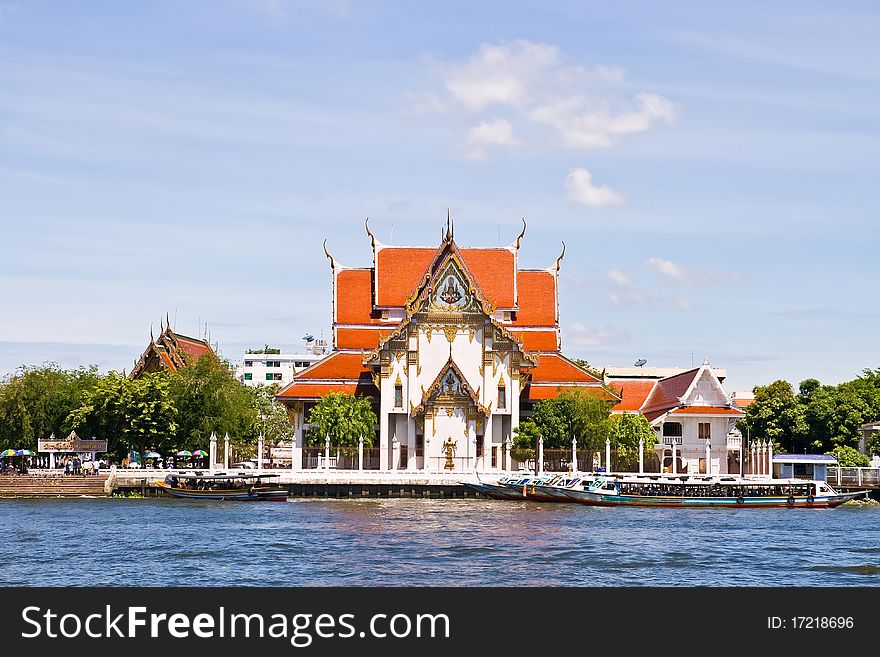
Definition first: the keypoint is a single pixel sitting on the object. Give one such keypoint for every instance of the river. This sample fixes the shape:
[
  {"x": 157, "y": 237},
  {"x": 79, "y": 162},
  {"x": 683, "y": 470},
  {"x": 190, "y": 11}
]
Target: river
[{"x": 422, "y": 542}]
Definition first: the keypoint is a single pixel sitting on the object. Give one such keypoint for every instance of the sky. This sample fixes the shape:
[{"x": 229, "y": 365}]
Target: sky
[{"x": 711, "y": 167}]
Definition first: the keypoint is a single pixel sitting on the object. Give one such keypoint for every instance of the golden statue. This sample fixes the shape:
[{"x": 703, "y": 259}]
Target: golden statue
[{"x": 449, "y": 448}]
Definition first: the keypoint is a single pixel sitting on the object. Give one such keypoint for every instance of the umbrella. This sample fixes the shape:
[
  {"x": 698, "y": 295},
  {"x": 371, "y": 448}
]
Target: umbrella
[
  {"x": 152, "y": 455},
  {"x": 9, "y": 452},
  {"x": 184, "y": 452},
  {"x": 25, "y": 452},
  {"x": 200, "y": 452}
]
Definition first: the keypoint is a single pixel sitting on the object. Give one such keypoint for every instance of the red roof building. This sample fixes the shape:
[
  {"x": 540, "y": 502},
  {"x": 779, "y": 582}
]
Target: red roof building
[
  {"x": 170, "y": 351},
  {"x": 451, "y": 343}
]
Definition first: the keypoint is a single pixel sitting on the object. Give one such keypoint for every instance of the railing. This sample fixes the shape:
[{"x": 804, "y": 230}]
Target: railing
[
  {"x": 734, "y": 442},
  {"x": 459, "y": 463},
  {"x": 341, "y": 458},
  {"x": 868, "y": 477},
  {"x": 669, "y": 440}
]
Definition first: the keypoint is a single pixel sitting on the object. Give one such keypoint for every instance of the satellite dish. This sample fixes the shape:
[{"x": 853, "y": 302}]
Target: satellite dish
[
  {"x": 308, "y": 338},
  {"x": 641, "y": 361}
]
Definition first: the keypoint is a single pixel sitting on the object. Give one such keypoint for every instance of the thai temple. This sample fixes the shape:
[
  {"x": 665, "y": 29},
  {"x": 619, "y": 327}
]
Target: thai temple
[
  {"x": 170, "y": 351},
  {"x": 453, "y": 345}
]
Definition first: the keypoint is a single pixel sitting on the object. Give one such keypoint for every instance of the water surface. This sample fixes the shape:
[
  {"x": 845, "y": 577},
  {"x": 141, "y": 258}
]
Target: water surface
[{"x": 421, "y": 542}]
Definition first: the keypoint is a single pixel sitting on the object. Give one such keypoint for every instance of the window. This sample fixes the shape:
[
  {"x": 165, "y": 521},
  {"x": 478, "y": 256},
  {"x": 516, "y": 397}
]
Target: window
[
  {"x": 248, "y": 363},
  {"x": 479, "y": 446},
  {"x": 248, "y": 376},
  {"x": 672, "y": 428},
  {"x": 273, "y": 376},
  {"x": 273, "y": 363},
  {"x": 398, "y": 396},
  {"x": 494, "y": 457},
  {"x": 705, "y": 432},
  {"x": 502, "y": 397}
]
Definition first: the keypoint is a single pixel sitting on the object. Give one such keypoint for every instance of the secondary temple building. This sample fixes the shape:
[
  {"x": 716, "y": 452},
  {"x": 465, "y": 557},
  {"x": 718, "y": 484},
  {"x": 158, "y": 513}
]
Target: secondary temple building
[
  {"x": 452, "y": 344},
  {"x": 170, "y": 351}
]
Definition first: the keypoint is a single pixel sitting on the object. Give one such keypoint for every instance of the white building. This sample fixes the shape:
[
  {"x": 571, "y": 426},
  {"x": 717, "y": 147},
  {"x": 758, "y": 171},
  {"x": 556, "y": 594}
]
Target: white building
[
  {"x": 692, "y": 415},
  {"x": 452, "y": 345},
  {"x": 258, "y": 368}
]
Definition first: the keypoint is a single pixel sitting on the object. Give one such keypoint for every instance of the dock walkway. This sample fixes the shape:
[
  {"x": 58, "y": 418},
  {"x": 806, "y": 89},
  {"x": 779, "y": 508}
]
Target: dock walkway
[{"x": 53, "y": 484}]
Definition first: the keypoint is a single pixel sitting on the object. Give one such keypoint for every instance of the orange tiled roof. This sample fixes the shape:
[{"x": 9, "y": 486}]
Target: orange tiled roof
[
  {"x": 493, "y": 270},
  {"x": 354, "y": 297},
  {"x": 538, "y": 340},
  {"x": 707, "y": 410},
  {"x": 192, "y": 347},
  {"x": 743, "y": 403},
  {"x": 632, "y": 394},
  {"x": 338, "y": 365},
  {"x": 536, "y": 299},
  {"x": 554, "y": 367},
  {"x": 667, "y": 393},
  {"x": 399, "y": 270},
  {"x": 308, "y": 390},
  {"x": 360, "y": 338}
]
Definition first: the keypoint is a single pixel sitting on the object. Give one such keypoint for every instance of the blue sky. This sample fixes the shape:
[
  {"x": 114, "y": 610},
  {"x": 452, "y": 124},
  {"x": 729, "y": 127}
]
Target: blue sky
[{"x": 712, "y": 169}]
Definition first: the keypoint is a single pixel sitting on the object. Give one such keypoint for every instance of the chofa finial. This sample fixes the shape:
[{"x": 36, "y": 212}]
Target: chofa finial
[
  {"x": 522, "y": 233},
  {"x": 448, "y": 224},
  {"x": 369, "y": 232},
  {"x": 561, "y": 256}
]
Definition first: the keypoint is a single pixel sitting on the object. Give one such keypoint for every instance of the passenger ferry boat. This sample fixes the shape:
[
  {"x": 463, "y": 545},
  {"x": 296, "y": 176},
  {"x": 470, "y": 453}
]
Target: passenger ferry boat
[
  {"x": 237, "y": 487},
  {"x": 692, "y": 491}
]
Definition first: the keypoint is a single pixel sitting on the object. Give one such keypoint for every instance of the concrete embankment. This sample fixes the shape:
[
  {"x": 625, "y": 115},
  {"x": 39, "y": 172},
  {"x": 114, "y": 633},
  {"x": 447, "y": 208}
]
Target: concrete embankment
[
  {"x": 53, "y": 484},
  {"x": 321, "y": 483}
]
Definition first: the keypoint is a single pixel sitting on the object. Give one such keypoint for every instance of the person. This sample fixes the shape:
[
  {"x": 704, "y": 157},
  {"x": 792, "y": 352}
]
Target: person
[{"x": 96, "y": 468}]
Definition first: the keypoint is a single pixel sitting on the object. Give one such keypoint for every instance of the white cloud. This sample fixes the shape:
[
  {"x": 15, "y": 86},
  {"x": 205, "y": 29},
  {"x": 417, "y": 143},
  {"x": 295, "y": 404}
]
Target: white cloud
[
  {"x": 587, "y": 335},
  {"x": 584, "y": 107},
  {"x": 619, "y": 277},
  {"x": 582, "y": 190},
  {"x": 670, "y": 271},
  {"x": 679, "y": 275},
  {"x": 483, "y": 135}
]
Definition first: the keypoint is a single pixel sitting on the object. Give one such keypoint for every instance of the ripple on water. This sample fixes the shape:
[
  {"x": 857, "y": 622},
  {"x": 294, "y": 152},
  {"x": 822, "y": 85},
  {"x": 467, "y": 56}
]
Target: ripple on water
[{"x": 421, "y": 542}]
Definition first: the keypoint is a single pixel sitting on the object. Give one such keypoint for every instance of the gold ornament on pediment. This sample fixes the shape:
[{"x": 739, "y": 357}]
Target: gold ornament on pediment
[
  {"x": 412, "y": 357},
  {"x": 398, "y": 382},
  {"x": 471, "y": 333},
  {"x": 450, "y": 332}
]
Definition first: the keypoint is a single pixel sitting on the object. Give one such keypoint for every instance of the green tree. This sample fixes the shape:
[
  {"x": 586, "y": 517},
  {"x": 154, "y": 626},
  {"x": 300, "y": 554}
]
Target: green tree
[
  {"x": 134, "y": 414},
  {"x": 210, "y": 399},
  {"x": 344, "y": 418},
  {"x": 35, "y": 402},
  {"x": 571, "y": 414},
  {"x": 274, "y": 422},
  {"x": 848, "y": 457},
  {"x": 777, "y": 415},
  {"x": 626, "y": 429}
]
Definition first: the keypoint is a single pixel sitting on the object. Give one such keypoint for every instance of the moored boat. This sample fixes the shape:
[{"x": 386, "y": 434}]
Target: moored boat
[
  {"x": 706, "y": 491},
  {"x": 237, "y": 487}
]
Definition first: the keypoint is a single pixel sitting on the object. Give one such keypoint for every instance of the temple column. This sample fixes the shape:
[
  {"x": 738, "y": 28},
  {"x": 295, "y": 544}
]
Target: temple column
[
  {"x": 260, "y": 451},
  {"x": 608, "y": 455},
  {"x": 384, "y": 430},
  {"x": 395, "y": 454},
  {"x": 326, "y": 452},
  {"x": 641, "y": 456},
  {"x": 296, "y": 444},
  {"x": 489, "y": 443},
  {"x": 226, "y": 451},
  {"x": 507, "y": 445},
  {"x": 471, "y": 426},
  {"x": 708, "y": 458},
  {"x": 429, "y": 432},
  {"x": 411, "y": 443},
  {"x": 574, "y": 455},
  {"x": 674, "y": 458},
  {"x": 770, "y": 458}
]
